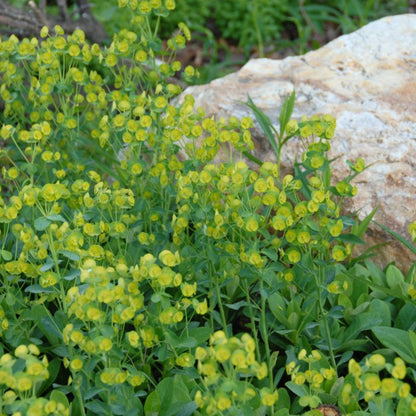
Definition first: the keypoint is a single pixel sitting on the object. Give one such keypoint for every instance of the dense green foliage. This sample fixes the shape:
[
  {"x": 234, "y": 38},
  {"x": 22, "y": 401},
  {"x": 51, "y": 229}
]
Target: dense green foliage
[
  {"x": 250, "y": 23},
  {"x": 140, "y": 275},
  {"x": 257, "y": 27},
  {"x": 261, "y": 24}
]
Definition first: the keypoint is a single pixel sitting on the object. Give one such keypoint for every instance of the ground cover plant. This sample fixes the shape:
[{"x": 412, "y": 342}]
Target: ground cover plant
[{"x": 141, "y": 278}]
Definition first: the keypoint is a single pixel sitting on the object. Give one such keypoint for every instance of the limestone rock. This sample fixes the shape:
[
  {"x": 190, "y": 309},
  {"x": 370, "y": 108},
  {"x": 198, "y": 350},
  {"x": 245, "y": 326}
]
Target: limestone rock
[{"x": 367, "y": 80}]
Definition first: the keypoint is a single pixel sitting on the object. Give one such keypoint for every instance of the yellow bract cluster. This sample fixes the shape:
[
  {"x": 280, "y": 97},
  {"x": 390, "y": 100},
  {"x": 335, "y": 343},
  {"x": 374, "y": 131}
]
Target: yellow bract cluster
[
  {"x": 378, "y": 379},
  {"x": 317, "y": 373},
  {"x": 223, "y": 365},
  {"x": 21, "y": 384}
]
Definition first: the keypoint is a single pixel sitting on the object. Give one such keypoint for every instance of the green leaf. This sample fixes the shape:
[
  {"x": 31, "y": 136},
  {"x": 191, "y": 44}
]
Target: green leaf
[
  {"x": 406, "y": 318},
  {"x": 270, "y": 253},
  {"x": 278, "y": 308},
  {"x": 41, "y": 223},
  {"x": 403, "y": 408},
  {"x": 187, "y": 409},
  {"x": 98, "y": 407},
  {"x": 237, "y": 305},
  {"x": 48, "y": 265},
  {"x": 381, "y": 309},
  {"x": 286, "y": 112},
  {"x": 398, "y": 237},
  {"x": 56, "y": 217},
  {"x": 93, "y": 392},
  {"x": 7, "y": 255},
  {"x": 170, "y": 398},
  {"x": 53, "y": 369},
  {"x": 39, "y": 289},
  {"x": 283, "y": 401},
  {"x": 300, "y": 391},
  {"x": 394, "y": 277},
  {"x": 186, "y": 342},
  {"x": 254, "y": 159},
  {"x": 397, "y": 340},
  {"x": 337, "y": 386},
  {"x": 412, "y": 336},
  {"x": 72, "y": 274},
  {"x": 70, "y": 255},
  {"x": 183, "y": 342},
  {"x": 265, "y": 125},
  {"x": 350, "y": 238},
  {"x": 201, "y": 334},
  {"x": 48, "y": 325},
  {"x": 60, "y": 397},
  {"x": 362, "y": 322},
  {"x": 376, "y": 274},
  {"x": 360, "y": 228}
]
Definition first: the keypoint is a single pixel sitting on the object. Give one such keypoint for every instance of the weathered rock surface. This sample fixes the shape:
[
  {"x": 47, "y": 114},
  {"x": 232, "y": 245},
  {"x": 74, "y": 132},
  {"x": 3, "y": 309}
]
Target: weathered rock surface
[{"x": 367, "y": 80}]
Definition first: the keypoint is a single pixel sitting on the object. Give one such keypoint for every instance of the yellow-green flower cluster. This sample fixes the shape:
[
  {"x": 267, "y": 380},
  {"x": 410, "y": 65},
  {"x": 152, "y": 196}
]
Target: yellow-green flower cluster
[
  {"x": 223, "y": 365},
  {"x": 145, "y": 7},
  {"x": 227, "y": 209},
  {"x": 311, "y": 370},
  {"x": 317, "y": 126},
  {"x": 377, "y": 380},
  {"x": 20, "y": 375}
]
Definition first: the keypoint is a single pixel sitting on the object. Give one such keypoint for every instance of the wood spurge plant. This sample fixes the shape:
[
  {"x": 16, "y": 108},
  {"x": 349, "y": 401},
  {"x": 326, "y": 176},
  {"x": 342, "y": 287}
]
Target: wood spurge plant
[{"x": 141, "y": 277}]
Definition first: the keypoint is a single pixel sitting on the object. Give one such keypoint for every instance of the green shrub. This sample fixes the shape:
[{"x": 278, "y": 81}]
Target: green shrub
[{"x": 140, "y": 277}]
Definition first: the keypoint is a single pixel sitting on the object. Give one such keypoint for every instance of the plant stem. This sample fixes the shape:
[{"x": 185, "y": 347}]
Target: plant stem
[
  {"x": 263, "y": 331},
  {"x": 79, "y": 397},
  {"x": 319, "y": 285},
  {"x": 221, "y": 306},
  {"x": 252, "y": 320}
]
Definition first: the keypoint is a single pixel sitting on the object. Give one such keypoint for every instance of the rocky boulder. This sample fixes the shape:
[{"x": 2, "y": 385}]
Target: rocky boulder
[{"x": 367, "y": 80}]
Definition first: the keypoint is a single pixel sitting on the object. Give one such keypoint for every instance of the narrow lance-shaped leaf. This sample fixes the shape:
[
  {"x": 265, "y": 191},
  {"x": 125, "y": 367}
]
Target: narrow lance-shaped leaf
[
  {"x": 286, "y": 113},
  {"x": 398, "y": 237},
  {"x": 265, "y": 124}
]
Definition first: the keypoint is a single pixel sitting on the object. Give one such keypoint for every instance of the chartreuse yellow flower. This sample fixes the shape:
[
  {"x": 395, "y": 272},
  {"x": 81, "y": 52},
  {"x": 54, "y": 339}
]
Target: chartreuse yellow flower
[
  {"x": 201, "y": 308},
  {"x": 293, "y": 255},
  {"x": 223, "y": 401},
  {"x": 168, "y": 258},
  {"x": 21, "y": 351},
  {"x": 185, "y": 360},
  {"x": 188, "y": 289},
  {"x": 399, "y": 369},
  {"x": 389, "y": 387},
  {"x": 339, "y": 253},
  {"x": 376, "y": 362},
  {"x": 268, "y": 397},
  {"x": 354, "y": 368},
  {"x": 76, "y": 364}
]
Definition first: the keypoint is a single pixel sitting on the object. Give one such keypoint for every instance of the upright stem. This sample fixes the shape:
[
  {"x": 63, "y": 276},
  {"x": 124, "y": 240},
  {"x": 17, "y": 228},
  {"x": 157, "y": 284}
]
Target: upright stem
[
  {"x": 221, "y": 306},
  {"x": 78, "y": 395},
  {"x": 319, "y": 283},
  {"x": 263, "y": 331},
  {"x": 252, "y": 321}
]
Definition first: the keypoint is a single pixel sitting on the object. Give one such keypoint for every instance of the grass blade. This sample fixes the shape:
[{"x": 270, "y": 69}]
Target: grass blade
[
  {"x": 359, "y": 229},
  {"x": 398, "y": 237},
  {"x": 286, "y": 112},
  {"x": 265, "y": 124}
]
